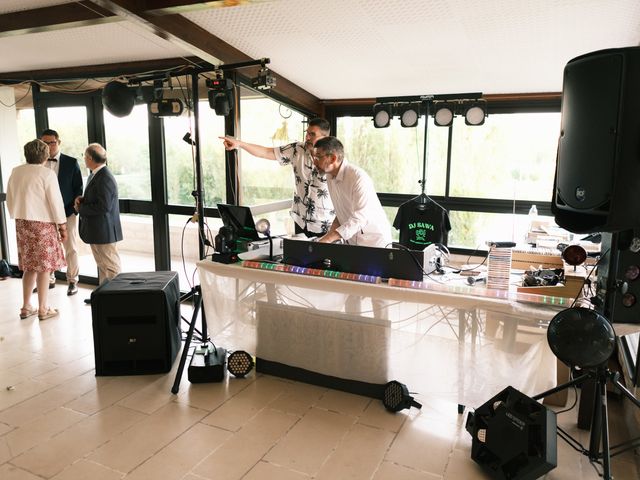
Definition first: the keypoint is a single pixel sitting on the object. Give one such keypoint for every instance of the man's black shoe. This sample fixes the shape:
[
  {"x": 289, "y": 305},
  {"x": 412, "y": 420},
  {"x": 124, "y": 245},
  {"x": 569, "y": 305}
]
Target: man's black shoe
[
  {"x": 72, "y": 289},
  {"x": 51, "y": 286},
  {"x": 87, "y": 301}
]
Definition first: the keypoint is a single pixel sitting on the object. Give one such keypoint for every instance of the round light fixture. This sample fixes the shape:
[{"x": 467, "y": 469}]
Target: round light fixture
[
  {"x": 240, "y": 363},
  {"x": 118, "y": 99},
  {"x": 396, "y": 397},
  {"x": 581, "y": 337},
  {"x": 443, "y": 116},
  {"x": 574, "y": 255}
]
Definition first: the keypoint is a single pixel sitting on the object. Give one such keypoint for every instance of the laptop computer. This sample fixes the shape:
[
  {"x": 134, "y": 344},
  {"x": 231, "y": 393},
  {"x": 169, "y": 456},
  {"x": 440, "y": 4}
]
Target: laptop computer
[{"x": 240, "y": 220}]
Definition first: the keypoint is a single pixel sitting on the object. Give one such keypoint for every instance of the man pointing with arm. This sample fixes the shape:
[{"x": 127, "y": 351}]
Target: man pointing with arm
[{"x": 311, "y": 209}]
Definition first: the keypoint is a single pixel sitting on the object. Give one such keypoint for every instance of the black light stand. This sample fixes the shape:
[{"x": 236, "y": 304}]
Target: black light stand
[
  {"x": 581, "y": 337},
  {"x": 217, "y": 356}
]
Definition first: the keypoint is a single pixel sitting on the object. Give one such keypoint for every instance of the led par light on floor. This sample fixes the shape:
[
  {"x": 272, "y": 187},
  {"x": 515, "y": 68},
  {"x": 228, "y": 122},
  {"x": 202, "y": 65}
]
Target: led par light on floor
[
  {"x": 382, "y": 114},
  {"x": 240, "y": 363},
  {"x": 396, "y": 397},
  {"x": 409, "y": 114},
  {"x": 475, "y": 113}
]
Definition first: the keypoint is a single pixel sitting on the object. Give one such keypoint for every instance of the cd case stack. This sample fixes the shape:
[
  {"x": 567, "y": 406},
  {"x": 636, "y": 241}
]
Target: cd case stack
[{"x": 499, "y": 268}]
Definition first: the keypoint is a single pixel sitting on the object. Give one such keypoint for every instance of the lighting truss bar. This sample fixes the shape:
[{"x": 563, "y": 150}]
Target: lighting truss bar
[{"x": 421, "y": 98}]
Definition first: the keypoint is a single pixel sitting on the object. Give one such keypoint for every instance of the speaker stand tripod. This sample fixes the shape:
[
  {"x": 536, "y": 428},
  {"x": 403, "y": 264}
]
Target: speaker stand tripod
[{"x": 600, "y": 420}]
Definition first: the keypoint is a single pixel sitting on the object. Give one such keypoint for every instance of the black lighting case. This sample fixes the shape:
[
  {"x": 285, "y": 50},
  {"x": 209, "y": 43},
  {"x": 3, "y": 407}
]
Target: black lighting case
[
  {"x": 136, "y": 323},
  {"x": 519, "y": 437}
]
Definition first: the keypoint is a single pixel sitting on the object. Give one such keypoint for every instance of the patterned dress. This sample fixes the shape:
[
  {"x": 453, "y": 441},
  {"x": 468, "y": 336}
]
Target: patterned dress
[{"x": 39, "y": 248}]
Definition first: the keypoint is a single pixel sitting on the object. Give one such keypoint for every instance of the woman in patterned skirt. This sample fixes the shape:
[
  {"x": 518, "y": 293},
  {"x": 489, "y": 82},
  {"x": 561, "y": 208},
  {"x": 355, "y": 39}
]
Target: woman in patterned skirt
[{"x": 34, "y": 200}]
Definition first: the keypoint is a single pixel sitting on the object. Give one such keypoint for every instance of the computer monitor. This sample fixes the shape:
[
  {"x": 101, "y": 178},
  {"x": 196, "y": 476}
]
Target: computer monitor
[{"x": 240, "y": 220}]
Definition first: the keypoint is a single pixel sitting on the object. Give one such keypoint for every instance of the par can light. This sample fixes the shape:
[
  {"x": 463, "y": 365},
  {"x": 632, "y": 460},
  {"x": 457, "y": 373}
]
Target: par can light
[
  {"x": 382, "y": 114},
  {"x": 396, "y": 397},
  {"x": 240, "y": 363}
]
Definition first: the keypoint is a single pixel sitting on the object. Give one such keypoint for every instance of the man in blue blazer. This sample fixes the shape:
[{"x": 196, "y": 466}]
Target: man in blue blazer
[
  {"x": 100, "y": 213},
  {"x": 70, "y": 181}
]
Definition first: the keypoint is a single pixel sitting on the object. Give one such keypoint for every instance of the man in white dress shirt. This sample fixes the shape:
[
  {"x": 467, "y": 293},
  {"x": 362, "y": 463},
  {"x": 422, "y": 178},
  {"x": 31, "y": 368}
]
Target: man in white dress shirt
[{"x": 360, "y": 219}]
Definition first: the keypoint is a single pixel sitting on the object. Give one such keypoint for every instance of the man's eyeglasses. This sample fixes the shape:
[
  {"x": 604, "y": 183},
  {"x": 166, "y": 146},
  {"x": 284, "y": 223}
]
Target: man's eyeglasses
[
  {"x": 52, "y": 142},
  {"x": 318, "y": 157}
]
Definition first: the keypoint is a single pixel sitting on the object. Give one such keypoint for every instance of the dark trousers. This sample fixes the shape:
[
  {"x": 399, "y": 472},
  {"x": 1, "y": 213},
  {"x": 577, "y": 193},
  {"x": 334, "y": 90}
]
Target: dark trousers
[{"x": 309, "y": 234}]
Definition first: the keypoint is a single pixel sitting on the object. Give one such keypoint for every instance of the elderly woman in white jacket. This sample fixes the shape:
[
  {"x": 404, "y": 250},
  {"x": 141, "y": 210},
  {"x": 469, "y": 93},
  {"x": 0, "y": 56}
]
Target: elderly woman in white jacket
[{"x": 35, "y": 202}]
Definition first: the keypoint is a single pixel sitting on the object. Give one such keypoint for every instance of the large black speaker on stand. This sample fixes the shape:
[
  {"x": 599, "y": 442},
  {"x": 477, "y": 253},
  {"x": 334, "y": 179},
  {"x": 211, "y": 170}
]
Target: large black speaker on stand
[
  {"x": 136, "y": 323},
  {"x": 598, "y": 167}
]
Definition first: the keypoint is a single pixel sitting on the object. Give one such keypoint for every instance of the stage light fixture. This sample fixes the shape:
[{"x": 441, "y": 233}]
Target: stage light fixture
[
  {"x": 475, "y": 113},
  {"x": 240, "y": 363},
  {"x": 396, "y": 397},
  {"x": 513, "y": 437},
  {"x": 581, "y": 337},
  {"x": 118, "y": 99},
  {"x": 574, "y": 255},
  {"x": 382, "y": 114},
  {"x": 265, "y": 80},
  {"x": 409, "y": 114},
  {"x": 221, "y": 95},
  {"x": 264, "y": 227},
  {"x": 443, "y": 115},
  {"x": 166, "y": 107}
]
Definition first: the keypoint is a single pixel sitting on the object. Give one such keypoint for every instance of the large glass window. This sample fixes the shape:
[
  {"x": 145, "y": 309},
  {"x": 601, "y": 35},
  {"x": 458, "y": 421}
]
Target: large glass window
[
  {"x": 393, "y": 156},
  {"x": 181, "y": 157},
  {"x": 26, "y": 129},
  {"x": 265, "y": 122},
  {"x": 269, "y": 123},
  {"x": 127, "y": 144},
  {"x": 71, "y": 125},
  {"x": 511, "y": 156}
]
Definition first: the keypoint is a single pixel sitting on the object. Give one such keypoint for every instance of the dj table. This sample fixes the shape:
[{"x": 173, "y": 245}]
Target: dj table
[{"x": 457, "y": 342}]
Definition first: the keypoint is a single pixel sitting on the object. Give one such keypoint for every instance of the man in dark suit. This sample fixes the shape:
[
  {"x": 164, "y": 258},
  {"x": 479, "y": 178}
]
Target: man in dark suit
[
  {"x": 70, "y": 181},
  {"x": 100, "y": 213}
]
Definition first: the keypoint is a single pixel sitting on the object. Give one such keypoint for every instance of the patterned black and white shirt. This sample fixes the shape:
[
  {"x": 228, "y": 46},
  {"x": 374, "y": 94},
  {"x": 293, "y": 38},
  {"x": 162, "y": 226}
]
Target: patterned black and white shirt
[{"x": 311, "y": 208}]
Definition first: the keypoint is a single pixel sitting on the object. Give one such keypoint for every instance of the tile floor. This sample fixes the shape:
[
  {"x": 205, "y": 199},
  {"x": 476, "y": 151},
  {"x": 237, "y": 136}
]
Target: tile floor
[{"x": 59, "y": 421}]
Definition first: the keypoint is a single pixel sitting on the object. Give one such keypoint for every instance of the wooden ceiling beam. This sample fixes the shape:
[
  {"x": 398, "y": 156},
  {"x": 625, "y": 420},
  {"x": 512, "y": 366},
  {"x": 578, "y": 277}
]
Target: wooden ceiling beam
[
  {"x": 159, "y": 17},
  {"x": 58, "y": 17},
  {"x": 196, "y": 40},
  {"x": 108, "y": 70}
]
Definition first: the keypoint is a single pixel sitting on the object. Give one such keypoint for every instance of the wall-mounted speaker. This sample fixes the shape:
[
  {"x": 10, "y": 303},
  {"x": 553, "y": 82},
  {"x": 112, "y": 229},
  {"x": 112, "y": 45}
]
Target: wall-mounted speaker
[
  {"x": 514, "y": 437},
  {"x": 598, "y": 165}
]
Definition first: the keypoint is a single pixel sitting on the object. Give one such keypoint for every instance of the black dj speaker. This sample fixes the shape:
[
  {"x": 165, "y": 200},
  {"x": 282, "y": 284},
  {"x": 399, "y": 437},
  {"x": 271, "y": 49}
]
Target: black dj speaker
[
  {"x": 514, "y": 437},
  {"x": 136, "y": 323},
  {"x": 598, "y": 166}
]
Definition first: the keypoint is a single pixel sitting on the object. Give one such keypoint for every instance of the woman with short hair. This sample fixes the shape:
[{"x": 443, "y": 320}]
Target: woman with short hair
[{"x": 35, "y": 202}]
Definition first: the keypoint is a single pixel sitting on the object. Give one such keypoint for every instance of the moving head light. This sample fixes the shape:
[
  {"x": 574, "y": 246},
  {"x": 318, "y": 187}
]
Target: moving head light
[{"x": 265, "y": 80}]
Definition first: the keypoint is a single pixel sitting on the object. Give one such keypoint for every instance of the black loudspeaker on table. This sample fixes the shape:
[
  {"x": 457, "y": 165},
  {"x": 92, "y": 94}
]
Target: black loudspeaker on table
[{"x": 136, "y": 323}]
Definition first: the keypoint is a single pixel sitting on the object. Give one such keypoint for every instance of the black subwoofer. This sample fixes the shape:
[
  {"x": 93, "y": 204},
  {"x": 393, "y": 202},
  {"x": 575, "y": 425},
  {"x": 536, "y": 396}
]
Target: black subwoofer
[{"x": 136, "y": 323}]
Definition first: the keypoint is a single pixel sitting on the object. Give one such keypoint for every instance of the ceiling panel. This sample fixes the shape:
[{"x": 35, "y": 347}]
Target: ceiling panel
[
  {"x": 90, "y": 45},
  {"x": 363, "y": 48}
]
